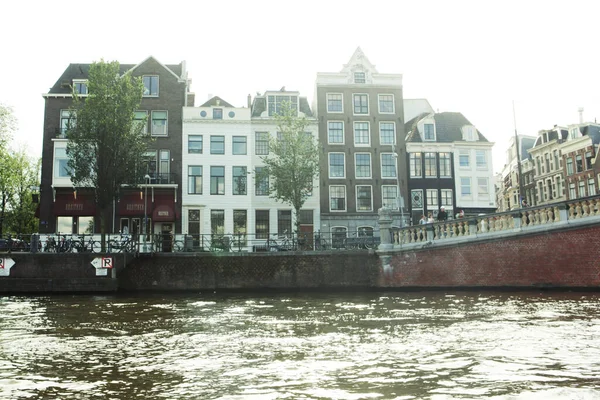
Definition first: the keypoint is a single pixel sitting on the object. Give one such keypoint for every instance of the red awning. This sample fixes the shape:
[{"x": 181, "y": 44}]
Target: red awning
[
  {"x": 69, "y": 204},
  {"x": 163, "y": 213},
  {"x": 134, "y": 204}
]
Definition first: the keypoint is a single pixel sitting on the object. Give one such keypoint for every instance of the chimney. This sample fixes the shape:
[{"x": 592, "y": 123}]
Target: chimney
[
  {"x": 580, "y": 110},
  {"x": 191, "y": 97},
  {"x": 249, "y": 101}
]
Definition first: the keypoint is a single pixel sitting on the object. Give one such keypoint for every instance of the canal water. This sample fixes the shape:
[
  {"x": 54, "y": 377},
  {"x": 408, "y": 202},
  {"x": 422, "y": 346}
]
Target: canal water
[{"x": 425, "y": 345}]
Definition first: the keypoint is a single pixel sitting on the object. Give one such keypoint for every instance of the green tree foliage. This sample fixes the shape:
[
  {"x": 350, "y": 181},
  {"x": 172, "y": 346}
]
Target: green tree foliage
[
  {"x": 8, "y": 124},
  {"x": 106, "y": 145},
  {"x": 21, "y": 218},
  {"x": 293, "y": 161}
]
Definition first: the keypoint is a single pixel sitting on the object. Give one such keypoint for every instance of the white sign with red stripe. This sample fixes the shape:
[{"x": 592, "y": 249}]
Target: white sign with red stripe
[{"x": 5, "y": 266}]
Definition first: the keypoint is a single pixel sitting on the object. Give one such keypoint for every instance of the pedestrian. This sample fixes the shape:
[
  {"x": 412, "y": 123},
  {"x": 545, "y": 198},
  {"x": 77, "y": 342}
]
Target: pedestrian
[
  {"x": 430, "y": 219},
  {"x": 423, "y": 220},
  {"x": 442, "y": 215}
]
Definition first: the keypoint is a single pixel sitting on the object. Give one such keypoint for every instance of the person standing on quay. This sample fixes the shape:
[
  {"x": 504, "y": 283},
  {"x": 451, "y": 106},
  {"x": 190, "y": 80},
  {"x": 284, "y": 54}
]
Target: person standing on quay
[{"x": 442, "y": 215}]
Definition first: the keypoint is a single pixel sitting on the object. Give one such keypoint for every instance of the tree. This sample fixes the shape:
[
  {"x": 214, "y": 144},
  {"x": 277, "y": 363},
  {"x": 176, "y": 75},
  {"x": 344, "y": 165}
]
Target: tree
[
  {"x": 8, "y": 124},
  {"x": 106, "y": 144},
  {"x": 293, "y": 161},
  {"x": 21, "y": 218}
]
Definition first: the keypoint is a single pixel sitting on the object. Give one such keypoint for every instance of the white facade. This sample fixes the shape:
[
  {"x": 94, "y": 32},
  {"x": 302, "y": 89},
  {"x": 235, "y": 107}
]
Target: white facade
[
  {"x": 474, "y": 175},
  {"x": 218, "y": 167}
]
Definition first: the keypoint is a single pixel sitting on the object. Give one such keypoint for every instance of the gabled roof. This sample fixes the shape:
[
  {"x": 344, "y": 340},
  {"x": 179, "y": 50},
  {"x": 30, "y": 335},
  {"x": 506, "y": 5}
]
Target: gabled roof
[
  {"x": 592, "y": 131},
  {"x": 82, "y": 71},
  {"x": 447, "y": 128},
  {"x": 359, "y": 58},
  {"x": 216, "y": 101},
  {"x": 556, "y": 133},
  {"x": 259, "y": 105}
]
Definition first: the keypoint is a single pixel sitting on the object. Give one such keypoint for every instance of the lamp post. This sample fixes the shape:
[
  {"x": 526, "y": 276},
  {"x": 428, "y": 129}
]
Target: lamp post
[
  {"x": 147, "y": 179},
  {"x": 399, "y": 199}
]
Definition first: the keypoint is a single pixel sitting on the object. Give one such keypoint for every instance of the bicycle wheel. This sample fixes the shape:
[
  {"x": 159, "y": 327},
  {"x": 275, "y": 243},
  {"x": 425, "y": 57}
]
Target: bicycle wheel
[
  {"x": 178, "y": 246},
  {"x": 369, "y": 243},
  {"x": 94, "y": 246},
  {"x": 272, "y": 245}
]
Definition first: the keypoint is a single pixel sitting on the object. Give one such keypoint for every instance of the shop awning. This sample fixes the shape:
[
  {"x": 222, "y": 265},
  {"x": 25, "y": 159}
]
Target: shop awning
[
  {"x": 71, "y": 204},
  {"x": 163, "y": 213},
  {"x": 133, "y": 204}
]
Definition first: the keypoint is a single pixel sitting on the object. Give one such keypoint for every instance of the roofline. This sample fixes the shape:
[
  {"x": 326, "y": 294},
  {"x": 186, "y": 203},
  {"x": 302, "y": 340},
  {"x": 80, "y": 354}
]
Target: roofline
[{"x": 180, "y": 79}]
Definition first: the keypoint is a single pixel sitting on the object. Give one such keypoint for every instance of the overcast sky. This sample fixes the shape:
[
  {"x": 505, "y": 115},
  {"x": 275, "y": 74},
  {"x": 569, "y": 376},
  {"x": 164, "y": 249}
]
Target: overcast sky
[{"x": 473, "y": 57}]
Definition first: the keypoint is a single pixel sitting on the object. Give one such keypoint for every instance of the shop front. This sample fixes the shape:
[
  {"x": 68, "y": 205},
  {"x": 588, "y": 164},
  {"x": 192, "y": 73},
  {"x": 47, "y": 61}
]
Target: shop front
[{"x": 74, "y": 212}]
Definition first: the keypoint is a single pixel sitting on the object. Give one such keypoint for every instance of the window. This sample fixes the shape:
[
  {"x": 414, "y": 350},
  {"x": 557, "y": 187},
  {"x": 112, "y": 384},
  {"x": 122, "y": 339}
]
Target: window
[
  {"x": 469, "y": 133},
  {"x": 364, "y": 201},
  {"x": 415, "y": 165},
  {"x": 195, "y": 144},
  {"x": 463, "y": 158},
  {"x": 361, "y": 133},
  {"x": 80, "y": 86},
  {"x": 386, "y": 103},
  {"x": 591, "y": 187},
  {"x": 579, "y": 163},
  {"x": 389, "y": 195},
  {"x": 164, "y": 166},
  {"x": 430, "y": 165},
  {"x": 140, "y": 121},
  {"x": 429, "y": 132},
  {"x": 388, "y": 165},
  {"x": 239, "y": 145},
  {"x": 335, "y": 132},
  {"x": 85, "y": 225},
  {"x": 539, "y": 166},
  {"x": 217, "y": 113},
  {"x": 240, "y": 178},
  {"x": 569, "y": 166},
  {"x": 262, "y": 224},
  {"x": 194, "y": 179},
  {"x": 337, "y": 168},
  {"x": 446, "y": 198},
  {"x": 547, "y": 161},
  {"x": 61, "y": 170},
  {"x": 150, "y": 85},
  {"x": 64, "y": 224},
  {"x": 284, "y": 222},
  {"x": 572, "y": 193},
  {"x": 432, "y": 199},
  {"x": 361, "y": 104},
  {"x": 261, "y": 145},
  {"x": 217, "y": 180},
  {"x": 581, "y": 185},
  {"x": 588, "y": 160},
  {"x": 335, "y": 103},
  {"x": 217, "y": 144},
  {"x": 217, "y": 222},
  {"x": 445, "y": 165},
  {"x": 387, "y": 133},
  {"x": 261, "y": 182},
  {"x": 306, "y": 217},
  {"x": 556, "y": 162},
  {"x": 67, "y": 120},
  {"x": 573, "y": 133},
  {"x": 465, "y": 186},
  {"x": 159, "y": 123},
  {"x": 481, "y": 161},
  {"x": 337, "y": 198},
  {"x": 416, "y": 198},
  {"x": 362, "y": 163},
  {"x": 275, "y": 104},
  {"x": 240, "y": 227},
  {"x": 359, "y": 77},
  {"x": 483, "y": 187},
  {"x": 150, "y": 165}
]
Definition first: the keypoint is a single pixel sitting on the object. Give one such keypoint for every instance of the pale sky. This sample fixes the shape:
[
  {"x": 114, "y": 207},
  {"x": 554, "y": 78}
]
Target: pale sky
[{"x": 473, "y": 57}]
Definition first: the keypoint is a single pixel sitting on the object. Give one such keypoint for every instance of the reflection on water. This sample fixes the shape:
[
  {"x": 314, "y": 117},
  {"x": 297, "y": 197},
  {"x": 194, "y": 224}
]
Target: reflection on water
[{"x": 314, "y": 346}]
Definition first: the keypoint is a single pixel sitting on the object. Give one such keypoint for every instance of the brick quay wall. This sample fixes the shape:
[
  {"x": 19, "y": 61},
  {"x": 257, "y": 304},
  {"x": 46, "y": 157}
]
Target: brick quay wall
[{"x": 564, "y": 258}]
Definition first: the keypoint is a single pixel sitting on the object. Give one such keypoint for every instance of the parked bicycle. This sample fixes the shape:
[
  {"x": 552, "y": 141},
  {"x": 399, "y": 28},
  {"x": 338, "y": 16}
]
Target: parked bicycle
[
  {"x": 360, "y": 240},
  {"x": 321, "y": 243},
  {"x": 64, "y": 245},
  {"x": 81, "y": 246},
  {"x": 123, "y": 244},
  {"x": 282, "y": 243},
  {"x": 51, "y": 246},
  {"x": 220, "y": 243}
]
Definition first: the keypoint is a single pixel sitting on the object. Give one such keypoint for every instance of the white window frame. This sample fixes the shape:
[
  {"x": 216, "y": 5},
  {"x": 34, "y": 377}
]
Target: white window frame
[
  {"x": 368, "y": 143},
  {"x": 467, "y": 154},
  {"x": 343, "y": 132},
  {"x": 329, "y": 165},
  {"x": 157, "y": 85},
  {"x": 379, "y": 103},
  {"x": 140, "y": 112},
  {"x": 465, "y": 182},
  {"x": 354, "y": 107},
  {"x": 478, "y": 155},
  {"x": 386, "y": 201},
  {"x": 425, "y": 138},
  {"x": 483, "y": 187},
  {"x": 444, "y": 196},
  {"x": 153, "y": 133},
  {"x": 363, "y": 78},
  {"x": 345, "y": 198},
  {"x": 341, "y": 100},
  {"x": 356, "y": 166},
  {"x": 432, "y": 199},
  {"x": 81, "y": 82},
  {"x": 370, "y": 198},
  {"x": 393, "y": 134},
  {"x": 57, "y": 166},
  {"x": 381, "y": 166}
]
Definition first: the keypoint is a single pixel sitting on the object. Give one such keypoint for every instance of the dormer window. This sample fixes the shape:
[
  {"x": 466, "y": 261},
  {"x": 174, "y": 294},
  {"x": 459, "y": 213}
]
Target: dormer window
[
  {"x": 574, "y": 133},
  {"x": 469, "y": 133},
  {"x": 429, "y": 132},
  {"x": 359, "y": 77},
  {"x": 217, "y": 113},
  {"x": 80, "y": 86},
  {"x": 275, "y": 104}
]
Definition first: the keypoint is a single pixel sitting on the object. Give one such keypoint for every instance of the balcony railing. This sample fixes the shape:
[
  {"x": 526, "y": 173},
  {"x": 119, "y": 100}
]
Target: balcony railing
[{"x": 159, "y": 179}]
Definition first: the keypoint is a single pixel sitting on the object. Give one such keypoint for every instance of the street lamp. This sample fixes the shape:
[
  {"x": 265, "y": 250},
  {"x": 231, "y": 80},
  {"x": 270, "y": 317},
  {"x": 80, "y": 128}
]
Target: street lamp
[
  {"x": 399, "y": 199},
  {"x": 147, "y": 179}
]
